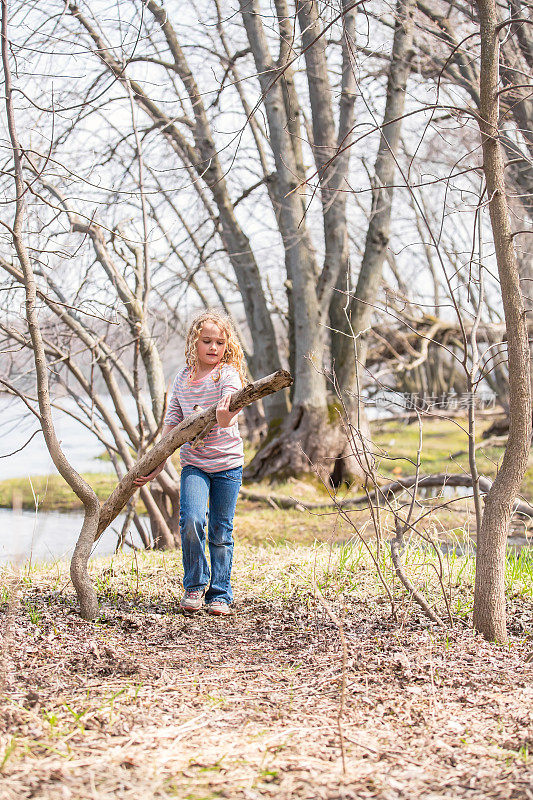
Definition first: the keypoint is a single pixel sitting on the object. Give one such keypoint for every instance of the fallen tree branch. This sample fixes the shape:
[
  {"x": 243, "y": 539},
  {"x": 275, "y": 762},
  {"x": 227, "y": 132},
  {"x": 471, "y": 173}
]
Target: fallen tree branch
[
  {"x": 443, "y": 479},
  {"x": 384, "y": 492},
  {"x": 194, "y": 428}
]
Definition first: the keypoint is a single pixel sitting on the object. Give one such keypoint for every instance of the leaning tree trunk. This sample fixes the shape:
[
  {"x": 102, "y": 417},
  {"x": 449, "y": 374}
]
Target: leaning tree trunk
[
  {"x": 489, "y": 596},
  {"x": 91, "y": 505}
]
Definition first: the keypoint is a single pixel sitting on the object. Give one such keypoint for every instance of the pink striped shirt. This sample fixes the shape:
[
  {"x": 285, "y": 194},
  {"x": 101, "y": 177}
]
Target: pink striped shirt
[{"x": 222, "y": 448}]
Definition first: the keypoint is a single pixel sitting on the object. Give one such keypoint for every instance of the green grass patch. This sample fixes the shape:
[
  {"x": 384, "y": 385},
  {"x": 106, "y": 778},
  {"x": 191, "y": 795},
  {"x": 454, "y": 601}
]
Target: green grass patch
[
  {"x": 396, "y": 446},
  {"x": 51, "y": 492}
]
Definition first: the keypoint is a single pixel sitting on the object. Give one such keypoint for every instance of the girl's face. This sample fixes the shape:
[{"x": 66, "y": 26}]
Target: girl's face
[{"x": 211, "y": 345}]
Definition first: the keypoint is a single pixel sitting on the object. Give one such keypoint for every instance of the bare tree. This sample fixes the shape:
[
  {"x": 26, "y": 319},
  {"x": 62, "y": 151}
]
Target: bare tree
[
  {"x": 227, "y": 161},
  {"x": 73, "y": 327},
  {"x": 202, "y": 157},
  {"x": 305, "y": 281},
  {"x": 298, "y": 440},
  {"x": 489, "y": 600},
  {"x": 286, "y": 173},
  {"x": 81, "y": 488},
  {"x": 96, "y": 518},
  {"x": 360, "y": 309}
]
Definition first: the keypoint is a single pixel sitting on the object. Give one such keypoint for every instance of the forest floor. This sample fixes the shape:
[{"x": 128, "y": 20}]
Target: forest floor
[{"x": 145, "y": 703}]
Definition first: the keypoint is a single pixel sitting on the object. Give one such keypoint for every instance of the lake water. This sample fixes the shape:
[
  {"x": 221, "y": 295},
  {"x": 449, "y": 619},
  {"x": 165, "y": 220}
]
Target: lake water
[
  {"x": 17, "y": 425},
  {"x": 49, "y": 536},
  {"x": 45, "y": 536}
]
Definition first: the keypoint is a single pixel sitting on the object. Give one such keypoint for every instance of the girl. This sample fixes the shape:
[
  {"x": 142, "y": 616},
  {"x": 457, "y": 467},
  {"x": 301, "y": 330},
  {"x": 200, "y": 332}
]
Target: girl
[{"x": 211, "y": 472}]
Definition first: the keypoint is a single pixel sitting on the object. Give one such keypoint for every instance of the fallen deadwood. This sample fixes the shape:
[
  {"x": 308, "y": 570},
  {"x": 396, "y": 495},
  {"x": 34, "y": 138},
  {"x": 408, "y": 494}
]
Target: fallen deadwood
[
  {"x": 399, "y": 341},
  {"x": 409, "y": 418},
  {"x": 192, "y": 429},
  {"x": 500, "y": 427},
  {"x": 279, "y": 500},
  {"x": 442, "y": 479},
  {"x": 385, "y": 492}
]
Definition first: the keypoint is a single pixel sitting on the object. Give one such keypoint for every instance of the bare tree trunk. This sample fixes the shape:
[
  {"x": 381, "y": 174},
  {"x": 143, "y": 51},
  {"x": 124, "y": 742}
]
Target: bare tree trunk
[
  {"x": 489, "y": 596},
  {"x": 331, "y": 150},
  {"x": 80, "y": 578},
  {"x": 202, "y": 157},
  {"x": 298, "y": 444},
  {"x": 377, "y": 238}
]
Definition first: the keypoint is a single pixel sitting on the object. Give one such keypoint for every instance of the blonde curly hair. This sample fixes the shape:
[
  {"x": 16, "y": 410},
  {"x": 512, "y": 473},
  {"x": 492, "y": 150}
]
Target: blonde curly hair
[{"x": 233, "y": 354}]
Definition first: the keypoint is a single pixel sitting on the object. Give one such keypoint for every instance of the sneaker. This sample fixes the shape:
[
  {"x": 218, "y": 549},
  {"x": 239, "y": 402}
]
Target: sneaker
[
  {"x": 219, "y": 608},
  {"x": 192, "y": 600}
]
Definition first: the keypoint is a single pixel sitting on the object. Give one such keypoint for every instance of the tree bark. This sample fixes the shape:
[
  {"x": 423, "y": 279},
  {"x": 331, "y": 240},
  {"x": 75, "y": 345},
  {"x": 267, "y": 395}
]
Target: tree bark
[
  {"x": 299, "y": 434},
  {"x": 489, "y": 595},
  {"x": 361, "y": 306}
]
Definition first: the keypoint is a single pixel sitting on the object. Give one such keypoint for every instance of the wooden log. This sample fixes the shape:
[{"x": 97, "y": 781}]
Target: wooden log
[
  {"x": 384, "y": 493},
  {"x": 399, "y": 340},
  {"x": 194, "y": 428},
  {"x": 441, "y": 479}
]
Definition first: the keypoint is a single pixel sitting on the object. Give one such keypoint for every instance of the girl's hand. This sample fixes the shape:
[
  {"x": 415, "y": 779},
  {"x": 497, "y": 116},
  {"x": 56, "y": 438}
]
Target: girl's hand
[
  {"x": 224, "y": 416},
  {"x": 142, "y": 479}
]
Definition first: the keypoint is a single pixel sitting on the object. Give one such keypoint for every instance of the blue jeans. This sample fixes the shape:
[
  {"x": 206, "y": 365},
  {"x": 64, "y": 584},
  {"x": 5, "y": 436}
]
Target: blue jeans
[{"x": 220, "y": 489}]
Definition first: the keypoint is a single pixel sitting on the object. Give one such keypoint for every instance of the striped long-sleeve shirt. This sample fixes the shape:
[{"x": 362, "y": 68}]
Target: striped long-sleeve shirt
[{"x": 222, "y": 448}]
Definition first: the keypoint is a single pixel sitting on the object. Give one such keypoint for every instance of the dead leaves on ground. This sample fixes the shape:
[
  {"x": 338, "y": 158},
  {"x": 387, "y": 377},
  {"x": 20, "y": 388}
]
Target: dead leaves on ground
[{"x": 152, "y": 705}]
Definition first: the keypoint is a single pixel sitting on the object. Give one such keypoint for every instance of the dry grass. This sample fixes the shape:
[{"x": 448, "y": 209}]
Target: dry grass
[{"x": 147, "y": 704}]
